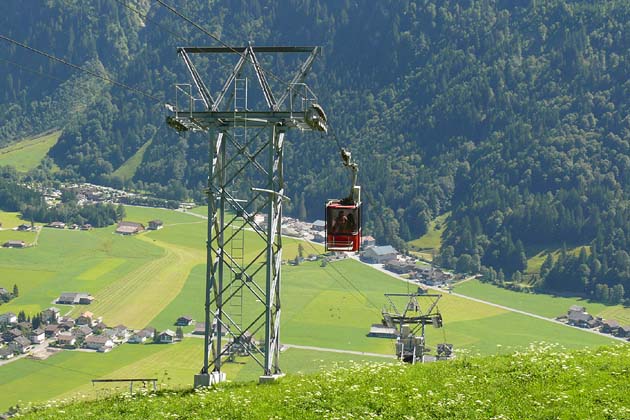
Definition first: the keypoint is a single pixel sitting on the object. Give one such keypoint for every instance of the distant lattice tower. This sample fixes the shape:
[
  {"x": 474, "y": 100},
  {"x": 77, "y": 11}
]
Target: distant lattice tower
[{"x": 242, "y": 301}]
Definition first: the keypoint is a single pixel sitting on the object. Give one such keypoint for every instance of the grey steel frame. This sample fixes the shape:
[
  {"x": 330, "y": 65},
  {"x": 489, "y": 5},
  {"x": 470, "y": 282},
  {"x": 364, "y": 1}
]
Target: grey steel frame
[{"x": 230, "y": 160}]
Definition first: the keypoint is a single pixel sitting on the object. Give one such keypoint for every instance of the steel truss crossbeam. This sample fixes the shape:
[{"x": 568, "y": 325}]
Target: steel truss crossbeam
[{"x": 245, "y": 161}]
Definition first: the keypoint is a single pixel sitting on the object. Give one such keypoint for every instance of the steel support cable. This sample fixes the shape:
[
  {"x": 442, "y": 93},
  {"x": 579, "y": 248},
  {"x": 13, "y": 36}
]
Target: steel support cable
[
  {"x": 219, "y": 40},
  {"x": 74, "y": 66},
  {"x": 352, "y": 285},
  {"x": 48, "y": 75}
]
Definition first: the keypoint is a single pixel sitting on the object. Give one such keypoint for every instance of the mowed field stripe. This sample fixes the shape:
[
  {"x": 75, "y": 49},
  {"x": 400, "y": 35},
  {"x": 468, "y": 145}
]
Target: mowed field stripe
[{"x": 136, "y": 298}]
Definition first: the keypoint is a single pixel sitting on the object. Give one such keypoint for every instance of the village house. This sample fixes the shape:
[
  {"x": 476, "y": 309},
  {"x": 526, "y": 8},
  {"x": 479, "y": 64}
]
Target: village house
[
  {"x": 129, "y": 228},
  {"x": 400, "y": 267},
  {"x": 6, "y": 353},
  {"x": 319, "y": 237},
  {"x": 86, "y": 318},
  {"x": 166, "y": 337},
  {"x": 379, "y": 254},
  {"x": 24, "y": 228},
  {"x": 37, "y": 336},
  {"x": 74, "y": 298},
  {"x": 368, "y": 241},
  {"x": 50, "y": 315},
  {"x": 14, "y": 244},
  {"x": 96, "y": 342},
  {"x": 4, "y": 292},
  {"x": 184, "y": 321},
  {"x": 20, "y": 345},
  {"x": 121, "y": 333},
  {"x": 319, "y": 226},
  {"x": 155, "y": 224},
  {"x": 11, "y": 334},
  {"x": 86, "y": 226},
  {"x": 56, "y": 225},
  {"x": 141, "y": 336},
  {"x": 66, "y": 323},
  {"x": 8, "y": 318},
  {"x": 51, "y": 331},
  {"x": 82, "y": 332},
  {"x": 66, "y": 340}
]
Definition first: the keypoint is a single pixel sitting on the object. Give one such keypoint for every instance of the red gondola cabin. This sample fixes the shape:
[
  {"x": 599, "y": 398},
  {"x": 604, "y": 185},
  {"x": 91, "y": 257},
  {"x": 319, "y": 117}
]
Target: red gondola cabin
[{"x": 343, "y": 225}]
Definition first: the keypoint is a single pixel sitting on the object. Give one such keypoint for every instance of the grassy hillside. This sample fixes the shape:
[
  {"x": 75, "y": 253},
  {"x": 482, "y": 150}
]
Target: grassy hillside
[
  {"x": 540, "y": 304},
  {"x": 153, "y": 278},
  {"x": 128, "y": 169},
  {"x": 541, "y": 383},
  {"x": 27, "y": 154}
]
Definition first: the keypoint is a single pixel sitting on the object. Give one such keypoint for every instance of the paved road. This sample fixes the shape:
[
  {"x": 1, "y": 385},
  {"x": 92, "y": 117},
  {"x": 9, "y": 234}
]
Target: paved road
[{"x": 379, "y": 267}]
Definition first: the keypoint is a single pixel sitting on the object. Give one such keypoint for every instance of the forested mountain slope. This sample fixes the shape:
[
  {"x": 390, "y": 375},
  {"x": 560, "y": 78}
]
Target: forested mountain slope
[{"x": 511, "y": 114}]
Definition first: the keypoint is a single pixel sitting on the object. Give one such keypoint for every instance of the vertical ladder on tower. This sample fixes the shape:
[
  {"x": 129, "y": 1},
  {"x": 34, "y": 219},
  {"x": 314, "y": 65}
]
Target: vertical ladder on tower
[{"x": 237, "y": 251}]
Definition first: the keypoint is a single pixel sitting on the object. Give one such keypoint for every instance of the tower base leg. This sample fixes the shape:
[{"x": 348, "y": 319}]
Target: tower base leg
[
  {"x": 207, "y": 379},
  {"x": 267, "y": 379}
]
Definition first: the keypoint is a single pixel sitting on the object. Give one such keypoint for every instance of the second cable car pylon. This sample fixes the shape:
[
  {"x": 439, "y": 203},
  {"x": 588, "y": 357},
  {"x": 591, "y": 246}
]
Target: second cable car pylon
[{"x": 343, "y": 216}]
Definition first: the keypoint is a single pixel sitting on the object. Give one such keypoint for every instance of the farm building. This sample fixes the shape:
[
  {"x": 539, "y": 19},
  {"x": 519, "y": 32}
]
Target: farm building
[
  {"x": 166, "y": 337},
  {"x": 86, "y": 226},
  {"x": 56, "y": 225},
  {"x": 74, "y": 298},
  {"x": 184, "y": 321},
  {"x": 610, "y": 326},
  {"x": 14, "y": 244},
  {"x": 579, "y": 319},
  {"x": 379, "y": 254},
  {"x": 24, "y": 228},
  {"x": 129, "y": 228},
  {"x": 155, "y": 224},
  {"x": 399, "y": 267}
]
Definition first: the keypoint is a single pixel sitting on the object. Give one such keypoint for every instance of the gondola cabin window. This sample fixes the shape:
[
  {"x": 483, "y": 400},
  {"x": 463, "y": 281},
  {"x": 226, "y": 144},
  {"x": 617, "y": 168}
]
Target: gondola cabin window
[{"x": 343, "y": 225}]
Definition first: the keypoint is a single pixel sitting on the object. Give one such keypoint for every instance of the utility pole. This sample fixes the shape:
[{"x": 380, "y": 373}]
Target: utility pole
[{"x": 245, "y": 185}]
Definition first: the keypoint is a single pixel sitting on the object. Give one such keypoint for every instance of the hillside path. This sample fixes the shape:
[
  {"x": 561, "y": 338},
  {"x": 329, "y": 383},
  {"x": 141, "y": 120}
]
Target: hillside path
[{"x": 358, "y": 353}]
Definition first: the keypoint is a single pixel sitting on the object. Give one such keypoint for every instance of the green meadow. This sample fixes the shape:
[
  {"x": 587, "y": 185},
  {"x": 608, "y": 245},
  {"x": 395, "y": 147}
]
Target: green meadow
[
  {"x": 27, "y": 154},
  {"x": 540, "y": 304},
  {"x": 156, "y": 276}
]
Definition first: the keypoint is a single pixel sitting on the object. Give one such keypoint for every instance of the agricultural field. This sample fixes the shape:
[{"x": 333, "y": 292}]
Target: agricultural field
[
  {"x": 27, "y": 154},
  {"x": 157, "y": 276},
  {"x": 540, "y": 304}
]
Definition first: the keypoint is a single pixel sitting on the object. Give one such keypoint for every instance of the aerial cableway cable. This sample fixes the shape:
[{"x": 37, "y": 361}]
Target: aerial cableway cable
[
  {"x": 76, "y": 67},
  {"x": 219, "y": 40}
]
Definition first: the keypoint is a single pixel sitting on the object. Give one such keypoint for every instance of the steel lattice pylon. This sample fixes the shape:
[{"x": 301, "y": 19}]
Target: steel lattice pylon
[{"x": 245, "y": 179}]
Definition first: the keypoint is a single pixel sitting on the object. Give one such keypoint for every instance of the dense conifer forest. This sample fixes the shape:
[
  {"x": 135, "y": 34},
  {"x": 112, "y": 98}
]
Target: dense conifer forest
[{"x": 512, "y": 115}]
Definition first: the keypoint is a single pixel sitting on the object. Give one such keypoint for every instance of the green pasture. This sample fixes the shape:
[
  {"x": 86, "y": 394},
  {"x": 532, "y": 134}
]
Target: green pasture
[
  {"x": 537, "y": 255},
  {"x": 128, "y": 169},
  {"x": 433, "y": 238},
  {"x": 202, "y": 210},
  {"x": 11, "y": 219},
  {"x": 81, "y": 261},
  {"x": 27, "y": 154},
  {"x": 68, "y": 374},
  {"x": 540, "y": 304}
]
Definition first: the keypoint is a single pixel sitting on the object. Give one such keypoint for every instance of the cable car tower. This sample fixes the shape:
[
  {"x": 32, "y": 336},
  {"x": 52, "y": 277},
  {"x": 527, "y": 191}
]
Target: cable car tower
[{"x": 242, "y": 295}]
